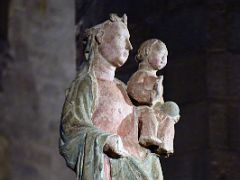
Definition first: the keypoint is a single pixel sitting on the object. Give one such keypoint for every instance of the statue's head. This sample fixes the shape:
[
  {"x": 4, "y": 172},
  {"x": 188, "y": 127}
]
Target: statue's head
[
  {"x": 110, "y": 40},
  {"x": 153, "y": 52}
]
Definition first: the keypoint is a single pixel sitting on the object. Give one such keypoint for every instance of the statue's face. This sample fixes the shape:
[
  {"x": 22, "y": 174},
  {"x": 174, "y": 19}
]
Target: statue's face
[
  {"x": 115, "y": 44},
  {"x": 157, "y": 57}
]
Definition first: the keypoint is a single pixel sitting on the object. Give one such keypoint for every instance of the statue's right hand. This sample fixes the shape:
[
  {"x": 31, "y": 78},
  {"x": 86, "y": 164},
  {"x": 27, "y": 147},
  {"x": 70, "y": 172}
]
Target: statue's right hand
[{"x": 114, "y": 147}]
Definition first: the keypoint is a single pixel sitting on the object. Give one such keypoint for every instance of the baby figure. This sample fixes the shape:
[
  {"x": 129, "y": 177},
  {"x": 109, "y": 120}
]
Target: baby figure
[{"x": 145, "y": 88}]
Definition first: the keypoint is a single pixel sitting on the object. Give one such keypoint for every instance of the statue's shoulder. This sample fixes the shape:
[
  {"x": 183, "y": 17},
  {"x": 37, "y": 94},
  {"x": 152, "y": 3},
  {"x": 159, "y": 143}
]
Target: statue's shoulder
[
  {"x": 140, "y": 74},
  {"x": 120, "y": 83},
  {"x": 137, "y": 77},
  {"x": 85, "y": 79},
  {"x": 81, "y": 83},
  {"x": 123, "y": 88}
]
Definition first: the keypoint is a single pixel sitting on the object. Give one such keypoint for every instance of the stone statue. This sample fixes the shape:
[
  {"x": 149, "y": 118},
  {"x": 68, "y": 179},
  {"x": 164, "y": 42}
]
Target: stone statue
[
  {"x": 145, "y": 88},
  {"x": 99, "y": 134}
]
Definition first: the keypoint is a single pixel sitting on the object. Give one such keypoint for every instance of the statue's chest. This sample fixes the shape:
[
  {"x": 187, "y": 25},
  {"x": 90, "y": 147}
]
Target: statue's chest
[
  {"x": 149, "y": 82},
  {"x": 113, "y": 106}
]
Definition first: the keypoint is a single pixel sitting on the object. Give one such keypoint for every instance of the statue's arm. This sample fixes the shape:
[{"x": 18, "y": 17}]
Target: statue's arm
[
  {"x": 77, "y": 108},
  {"x": 114, "y": 147},
  {"x": 158, "y": 87},
  {"x": 80, "y": 105},
  {"x": 79, "y": 138}
]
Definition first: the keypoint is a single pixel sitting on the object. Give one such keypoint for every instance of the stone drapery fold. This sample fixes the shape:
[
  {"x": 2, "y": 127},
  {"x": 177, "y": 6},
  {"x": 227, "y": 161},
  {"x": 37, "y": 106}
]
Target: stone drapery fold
[{"x": 81, "y": 143}]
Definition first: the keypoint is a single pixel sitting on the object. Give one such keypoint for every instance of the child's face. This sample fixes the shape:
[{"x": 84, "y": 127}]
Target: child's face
[{"x": 157, "y": 57}]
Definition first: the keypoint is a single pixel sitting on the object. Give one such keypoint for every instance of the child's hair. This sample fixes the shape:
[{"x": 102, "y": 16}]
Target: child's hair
[{"x": 145, "y": 48}]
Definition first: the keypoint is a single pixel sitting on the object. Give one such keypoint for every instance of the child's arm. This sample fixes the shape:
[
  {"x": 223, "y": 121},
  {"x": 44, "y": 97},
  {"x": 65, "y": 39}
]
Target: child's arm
[{"x": 158, "y": 87}]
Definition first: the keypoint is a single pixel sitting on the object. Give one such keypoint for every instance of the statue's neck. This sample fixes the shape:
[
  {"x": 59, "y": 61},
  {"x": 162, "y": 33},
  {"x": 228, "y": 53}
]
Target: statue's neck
[
  {"x": 103, "y": 69},
  {"x": 147, "y": 67}
]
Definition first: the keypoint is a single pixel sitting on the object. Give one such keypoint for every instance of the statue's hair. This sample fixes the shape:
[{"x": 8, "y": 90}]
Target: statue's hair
[
  {"x": 91, "y": 33},
  {"x": 99, "y": 27},
  {"x": 146, "y": 47}
]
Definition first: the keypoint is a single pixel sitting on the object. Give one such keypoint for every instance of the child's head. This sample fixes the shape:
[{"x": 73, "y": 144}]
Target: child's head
[{"x": 153, "y": 52}]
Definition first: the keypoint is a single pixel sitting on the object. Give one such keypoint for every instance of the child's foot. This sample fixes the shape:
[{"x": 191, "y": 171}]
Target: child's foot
[{"x": 149, "y": 141}]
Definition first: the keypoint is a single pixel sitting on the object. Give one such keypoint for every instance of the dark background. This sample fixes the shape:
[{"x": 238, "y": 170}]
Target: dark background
[{"x": 38, "y": 61}]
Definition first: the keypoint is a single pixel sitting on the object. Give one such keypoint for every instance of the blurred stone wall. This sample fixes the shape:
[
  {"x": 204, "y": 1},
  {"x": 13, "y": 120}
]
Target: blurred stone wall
[
  {"x": 41, "y": 37},
  {"x": 223, "y": 84}
]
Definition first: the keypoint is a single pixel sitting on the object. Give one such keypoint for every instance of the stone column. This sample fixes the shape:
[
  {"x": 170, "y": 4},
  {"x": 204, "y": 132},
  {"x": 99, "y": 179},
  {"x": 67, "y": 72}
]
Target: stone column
[
  {"x": 42, "y": 44},
  {"x": 4, "y": 159}
]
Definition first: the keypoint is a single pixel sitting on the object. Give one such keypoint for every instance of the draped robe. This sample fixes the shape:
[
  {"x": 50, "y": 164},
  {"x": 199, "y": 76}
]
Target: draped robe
[{"x": 82, "y": 142}]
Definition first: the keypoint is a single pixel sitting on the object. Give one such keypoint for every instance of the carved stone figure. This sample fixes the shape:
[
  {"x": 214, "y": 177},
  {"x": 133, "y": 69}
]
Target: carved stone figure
[
  {"x": 145, "y": 88},
  {"x": 99, "y": 124}
]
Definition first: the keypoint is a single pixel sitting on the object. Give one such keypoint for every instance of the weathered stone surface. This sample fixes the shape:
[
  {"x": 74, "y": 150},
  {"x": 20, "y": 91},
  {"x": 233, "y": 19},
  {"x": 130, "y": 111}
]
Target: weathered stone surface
[
  {"x": 223, "y": 164},
  {"x": 190, "y": 68},
  {"x": 41, "y": 36},
  {"x": 194, "y": 124},
  {"x": 98, "y": 118},
  {"x": 218, "y": 122},
  {"x": 233, "y": 40},
  {"x": 233, "y": 126},
  {"x": 222, "y": 76},
  {"x": 190, "y": 23},
  {"x": 217, "y": 20},
  {"x": 4, "y": 158},
  {"x": 224, "y": 125},
  {"x": 145, "y": 87}
]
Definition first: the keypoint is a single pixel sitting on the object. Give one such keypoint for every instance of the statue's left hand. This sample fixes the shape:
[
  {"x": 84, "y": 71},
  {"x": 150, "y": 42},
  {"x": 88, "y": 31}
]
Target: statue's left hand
[{"x": 114, "y": 147}]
